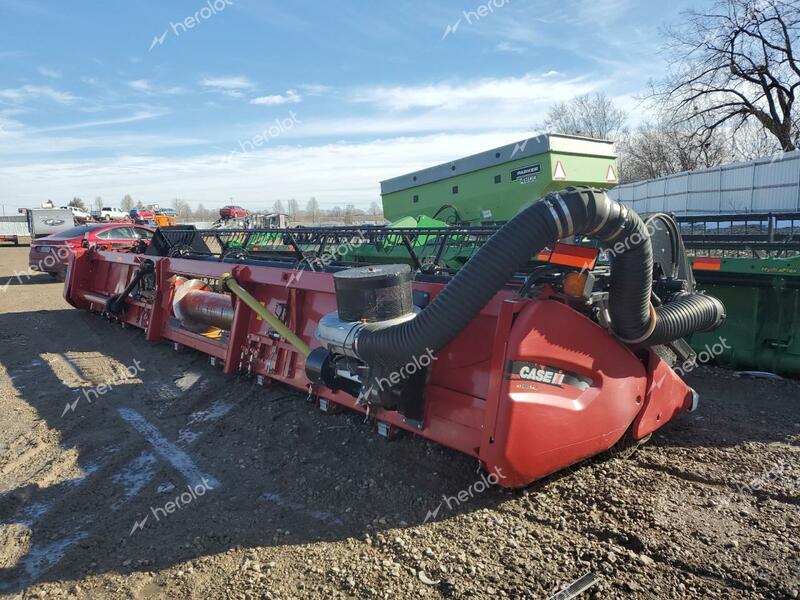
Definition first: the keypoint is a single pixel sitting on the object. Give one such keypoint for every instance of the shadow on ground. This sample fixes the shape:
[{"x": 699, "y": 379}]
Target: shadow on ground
[{"x": 272, "y": 469}]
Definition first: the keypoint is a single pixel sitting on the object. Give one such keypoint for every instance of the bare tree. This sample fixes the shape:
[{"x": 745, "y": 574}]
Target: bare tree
[
  {"x": 293, "y": 208},
  {"x": 734, "y": 64},
  {"x": 350, "y": 213},
  {"x": 77, "y": 203},
  {"x": 590, "y": 115},
  {"x": 312, "y": 208},
  {"x": 182, "y": 209},
  {"x": 375, "y": 209},
  {"x": 277, "y": 206},
  {"x": 751, "y": 141},
  {"x": 127, "y": 203},
  {"x": 663, "y": 148}
]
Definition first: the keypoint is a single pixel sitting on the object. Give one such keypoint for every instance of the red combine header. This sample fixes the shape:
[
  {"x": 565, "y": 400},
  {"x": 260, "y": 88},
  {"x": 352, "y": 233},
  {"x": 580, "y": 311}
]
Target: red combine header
[{"x": 527, "y": 366}]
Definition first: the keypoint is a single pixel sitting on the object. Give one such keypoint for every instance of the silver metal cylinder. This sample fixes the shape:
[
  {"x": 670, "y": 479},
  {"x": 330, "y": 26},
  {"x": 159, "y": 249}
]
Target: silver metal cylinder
[
  {"x": 196, "y": 307},
  {"x": 339, "y": 337},
  {"x": 208, "y": 308}
]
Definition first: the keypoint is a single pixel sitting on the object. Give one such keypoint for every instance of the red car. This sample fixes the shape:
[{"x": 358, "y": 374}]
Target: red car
[
  {"x": 142, "y": 214},
  {"x": 51, "y": 254},
  {"x": 232, "y": 212}
]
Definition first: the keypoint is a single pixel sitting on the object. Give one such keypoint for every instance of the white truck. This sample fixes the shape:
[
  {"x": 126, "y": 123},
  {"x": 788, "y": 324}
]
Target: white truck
[
  {"x": 81, "y": 216},
  {"x": 108, "y": 213}
]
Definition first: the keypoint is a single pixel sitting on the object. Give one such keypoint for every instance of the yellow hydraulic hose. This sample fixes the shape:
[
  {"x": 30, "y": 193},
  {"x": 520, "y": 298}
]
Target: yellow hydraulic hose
[{"x": 230, "y": 283}]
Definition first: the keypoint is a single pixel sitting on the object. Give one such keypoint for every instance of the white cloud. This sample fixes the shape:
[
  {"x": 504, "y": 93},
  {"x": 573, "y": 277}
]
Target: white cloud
[
  {"x": 35, "y": 92},
  {"x": 230, "y": 86},
  {"x": 315, "y": 89},
  {"x": 487, "y": 92},
  {"x": 10, "y": 54},
  {"x": 141, "y": 85},
  {"x": 28, "y": 148},
  {"x": 551, "y": 74},
  {"x": 8, "y": 126},
  {"x": 290, "y": 97},
  {"x": 509, "y": 47},
  {"x": 137, "y": 116},
  {"x": 343, "y": 172},
  {"x": 51, "y": 73},
  {"x": 146, "y": 87}
]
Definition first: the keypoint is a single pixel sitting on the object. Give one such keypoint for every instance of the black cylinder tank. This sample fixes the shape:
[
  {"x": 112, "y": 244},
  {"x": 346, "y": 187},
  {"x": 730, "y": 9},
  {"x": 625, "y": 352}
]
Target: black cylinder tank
[{"x": 375, "y": 293}]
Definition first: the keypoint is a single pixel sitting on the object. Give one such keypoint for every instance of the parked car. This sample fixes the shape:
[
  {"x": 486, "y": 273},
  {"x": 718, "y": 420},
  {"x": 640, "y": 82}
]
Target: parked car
[
  {"x": 168, "y": 212},
  {"x": 51, "y": 254},
  {"x": 232, "y": 212},
  {"x": 81, "y": 216},
  {"x": 108, "y": 213},
  {"x": 142, "y": 214}
]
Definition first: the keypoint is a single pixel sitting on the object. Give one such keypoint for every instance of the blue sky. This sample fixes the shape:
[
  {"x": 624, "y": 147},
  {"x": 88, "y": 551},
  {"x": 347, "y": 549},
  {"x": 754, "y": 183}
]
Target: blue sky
[{"x": 259, "y": 100}]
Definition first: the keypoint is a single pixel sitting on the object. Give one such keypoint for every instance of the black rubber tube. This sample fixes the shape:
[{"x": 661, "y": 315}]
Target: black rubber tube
[
  {"x": 557, "y": 216},
  {"x": 686, "y": 315}
]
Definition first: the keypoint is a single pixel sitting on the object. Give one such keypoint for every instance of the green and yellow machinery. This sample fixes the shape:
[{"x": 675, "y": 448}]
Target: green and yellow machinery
[
  {"x": 495, "y": 185},
  {"x": 752, "y": 263}
]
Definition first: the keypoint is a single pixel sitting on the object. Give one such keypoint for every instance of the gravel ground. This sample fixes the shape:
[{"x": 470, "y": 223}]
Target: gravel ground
[{"x": 288, "y": 502}]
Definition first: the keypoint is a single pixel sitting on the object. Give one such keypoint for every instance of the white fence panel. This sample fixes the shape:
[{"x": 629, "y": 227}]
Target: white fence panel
[{"x": 769, "y": 184}]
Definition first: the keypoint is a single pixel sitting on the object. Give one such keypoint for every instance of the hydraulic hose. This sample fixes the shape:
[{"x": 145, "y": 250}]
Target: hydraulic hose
[
  {"x": 229, "y": 283},
  {"x": 571, "y": 212}
]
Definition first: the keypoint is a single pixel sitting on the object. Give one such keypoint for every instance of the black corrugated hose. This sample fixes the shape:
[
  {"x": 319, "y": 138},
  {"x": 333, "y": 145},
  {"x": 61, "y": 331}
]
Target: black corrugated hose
[{"x": 580, "y": 211}]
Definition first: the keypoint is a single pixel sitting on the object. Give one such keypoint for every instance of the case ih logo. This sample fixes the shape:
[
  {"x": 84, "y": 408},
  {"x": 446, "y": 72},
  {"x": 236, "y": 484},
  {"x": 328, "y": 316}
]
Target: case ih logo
[
  {"x": 541, "y": 374},
  {"x": 520, "y": 373},
  {"x": 53, "y": 222}
]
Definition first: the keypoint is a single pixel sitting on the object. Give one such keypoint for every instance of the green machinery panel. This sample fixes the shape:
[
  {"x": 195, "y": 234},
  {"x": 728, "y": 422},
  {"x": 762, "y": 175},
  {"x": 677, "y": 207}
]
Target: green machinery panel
[
  {"x": 494, "y": 185},
  {"x": 762, "y": 300}
]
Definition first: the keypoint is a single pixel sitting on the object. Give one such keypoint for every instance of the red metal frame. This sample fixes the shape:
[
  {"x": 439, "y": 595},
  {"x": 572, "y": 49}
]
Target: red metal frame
[{"x": 584, "y": 389}]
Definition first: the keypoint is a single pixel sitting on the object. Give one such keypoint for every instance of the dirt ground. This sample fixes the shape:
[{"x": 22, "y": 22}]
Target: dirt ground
[{"x": 288, "y": 502}]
